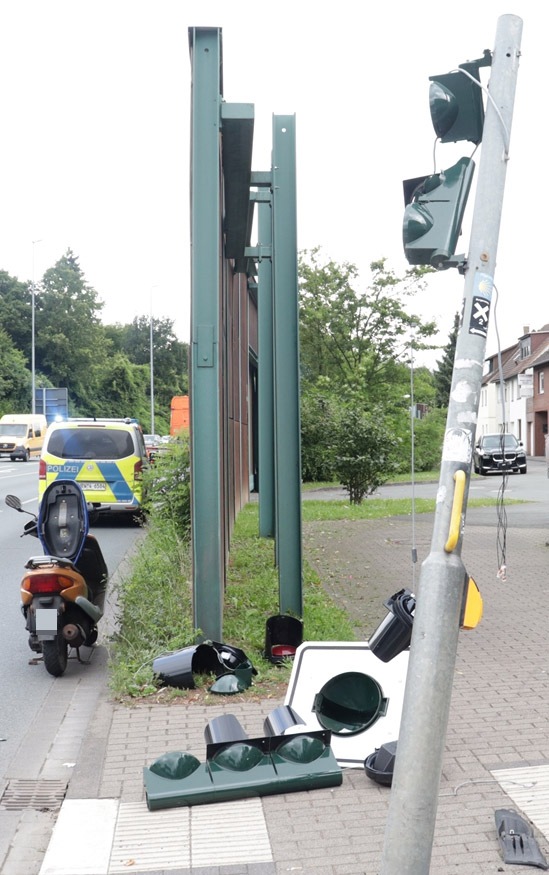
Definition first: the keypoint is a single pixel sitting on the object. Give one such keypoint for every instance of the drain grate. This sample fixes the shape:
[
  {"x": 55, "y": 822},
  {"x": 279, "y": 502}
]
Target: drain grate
[{"x": 39, "y": 795}]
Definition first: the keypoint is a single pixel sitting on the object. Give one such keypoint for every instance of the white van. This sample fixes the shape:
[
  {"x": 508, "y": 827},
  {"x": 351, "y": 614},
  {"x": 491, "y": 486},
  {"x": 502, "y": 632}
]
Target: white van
[{"x": 22, "y": 435}]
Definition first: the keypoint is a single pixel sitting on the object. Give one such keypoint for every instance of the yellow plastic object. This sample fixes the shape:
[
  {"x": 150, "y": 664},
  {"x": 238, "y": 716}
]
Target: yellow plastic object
[
  {"x": 457, "y": 508},
  {"x": 471, "y": 611}
]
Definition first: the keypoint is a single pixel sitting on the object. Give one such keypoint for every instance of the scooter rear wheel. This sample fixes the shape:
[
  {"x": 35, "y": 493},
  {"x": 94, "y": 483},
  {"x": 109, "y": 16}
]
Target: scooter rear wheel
[{"x": 55, "y": 655}]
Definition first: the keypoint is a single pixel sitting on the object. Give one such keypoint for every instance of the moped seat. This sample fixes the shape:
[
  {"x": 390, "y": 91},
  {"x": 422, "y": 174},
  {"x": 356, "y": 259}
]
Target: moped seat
[{"x": 63, "y": 520}]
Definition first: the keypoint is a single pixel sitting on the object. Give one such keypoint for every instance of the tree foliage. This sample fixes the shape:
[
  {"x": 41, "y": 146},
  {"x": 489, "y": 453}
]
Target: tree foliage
[
  {"x": 445, "y": 367},
  {"x": 122, "y": 390},
  {"x": 355, "y": 345},
  {"x": 14, "y": 377},
  {"x": 106, "y": 368},
  {"x": 15, "y": 312},
  {"x": 71, "y": 347},
  {"x": 366, "y": 452},
  {"x": 356, "y": 361},
  {"x": 319, "y": 412},
  {"x": 170, "y": 356},
  {"x": 168, "y": 486},
  {"x": 428, "y": 440},
  {"x": 354, "y": 338}
]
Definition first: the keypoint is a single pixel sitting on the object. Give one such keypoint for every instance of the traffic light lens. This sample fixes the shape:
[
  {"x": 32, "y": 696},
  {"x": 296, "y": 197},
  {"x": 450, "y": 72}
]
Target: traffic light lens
[
  {"x": 349, "y": 703},
  {"x": 175, "y": 765},
  {"x": 302, "y": 749},
  {"x": 444, "y": 108},
  {"x": 455, "y": 101},
  {"x": 238, "y": 757},
  {"x": 417, "y": 222}
]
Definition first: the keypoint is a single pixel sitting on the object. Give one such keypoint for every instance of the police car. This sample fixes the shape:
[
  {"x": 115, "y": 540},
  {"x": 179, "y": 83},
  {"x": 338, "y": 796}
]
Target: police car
[{"x": 105, "y": 456}]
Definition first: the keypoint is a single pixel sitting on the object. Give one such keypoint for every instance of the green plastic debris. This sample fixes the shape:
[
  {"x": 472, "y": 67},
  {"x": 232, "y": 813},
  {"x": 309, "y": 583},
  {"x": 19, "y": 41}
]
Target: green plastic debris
[{"x": 244, "y": 768}]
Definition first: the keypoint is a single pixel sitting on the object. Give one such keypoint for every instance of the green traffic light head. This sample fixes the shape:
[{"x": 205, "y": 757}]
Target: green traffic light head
[
  {"x": 434, "y": 214},
  {"x": 455, "y": 101}
]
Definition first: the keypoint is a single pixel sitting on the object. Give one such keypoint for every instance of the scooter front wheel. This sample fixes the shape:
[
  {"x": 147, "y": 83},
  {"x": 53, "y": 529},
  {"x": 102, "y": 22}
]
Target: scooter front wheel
[{"x": 55, "y": 655}]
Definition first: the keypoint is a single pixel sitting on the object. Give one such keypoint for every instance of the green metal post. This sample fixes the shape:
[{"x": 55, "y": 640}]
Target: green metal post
[
  {"x": 286, "y": 368},
  {"x": 207, "y": 526},
  {"x": 265, "y": 376},
  {"x": 416, "y": 781}
]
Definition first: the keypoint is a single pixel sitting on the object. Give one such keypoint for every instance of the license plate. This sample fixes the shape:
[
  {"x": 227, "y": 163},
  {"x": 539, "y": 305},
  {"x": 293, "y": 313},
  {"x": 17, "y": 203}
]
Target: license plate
[
  {"x": 93, "y": 487},
  {"x": 46, "y": 623}
]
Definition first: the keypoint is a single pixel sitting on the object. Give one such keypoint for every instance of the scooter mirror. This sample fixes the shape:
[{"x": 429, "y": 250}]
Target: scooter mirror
[{"x": 13, "y": 501}]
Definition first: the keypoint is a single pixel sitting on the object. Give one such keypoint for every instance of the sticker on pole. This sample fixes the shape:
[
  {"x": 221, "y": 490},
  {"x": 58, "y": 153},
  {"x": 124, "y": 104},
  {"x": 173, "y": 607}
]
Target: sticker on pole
[{"x": 480, "y": 309}]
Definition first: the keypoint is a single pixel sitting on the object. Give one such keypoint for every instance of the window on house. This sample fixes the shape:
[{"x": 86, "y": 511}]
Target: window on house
[{"x": 541, "y": 382}]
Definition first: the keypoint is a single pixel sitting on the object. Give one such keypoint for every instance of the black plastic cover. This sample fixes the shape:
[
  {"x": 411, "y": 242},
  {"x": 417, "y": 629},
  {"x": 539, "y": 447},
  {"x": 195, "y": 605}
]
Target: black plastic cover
[
  {"x": 517, "y": 841},
  {"x": 380, "y": 764}
]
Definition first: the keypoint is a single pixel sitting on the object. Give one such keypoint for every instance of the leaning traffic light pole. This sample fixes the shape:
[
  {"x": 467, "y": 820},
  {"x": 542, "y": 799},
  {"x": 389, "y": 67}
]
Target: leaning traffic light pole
[{"x": 415, "y": 786}]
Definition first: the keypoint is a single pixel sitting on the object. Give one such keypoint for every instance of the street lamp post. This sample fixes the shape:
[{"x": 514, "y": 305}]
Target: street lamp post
[
  {"x": 152, "y": 368},
  {"x": 33, "y": 353}
]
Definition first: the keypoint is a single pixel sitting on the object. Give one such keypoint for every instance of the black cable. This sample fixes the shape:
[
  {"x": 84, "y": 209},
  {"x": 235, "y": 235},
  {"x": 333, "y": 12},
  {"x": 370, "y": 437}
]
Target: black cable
[{"x": 501, "y": 535}]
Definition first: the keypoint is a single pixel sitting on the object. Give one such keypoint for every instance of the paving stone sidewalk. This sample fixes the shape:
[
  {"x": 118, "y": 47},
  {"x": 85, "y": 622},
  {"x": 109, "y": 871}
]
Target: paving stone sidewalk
[
  {"x": 497, "y": 745},
  {"x": 499, "y": 714}
]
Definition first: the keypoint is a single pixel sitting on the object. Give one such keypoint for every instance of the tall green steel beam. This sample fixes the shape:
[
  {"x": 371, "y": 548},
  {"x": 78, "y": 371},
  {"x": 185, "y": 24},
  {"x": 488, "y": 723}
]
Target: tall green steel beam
[
  {"x": 286, "y": 368},
  {"x": 205, "y": 390},
  {"x": 265, "y": 366}
]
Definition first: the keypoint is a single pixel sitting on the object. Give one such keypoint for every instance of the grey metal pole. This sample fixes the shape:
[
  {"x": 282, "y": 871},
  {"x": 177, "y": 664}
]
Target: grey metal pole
[{"x": 415, "y": 786}]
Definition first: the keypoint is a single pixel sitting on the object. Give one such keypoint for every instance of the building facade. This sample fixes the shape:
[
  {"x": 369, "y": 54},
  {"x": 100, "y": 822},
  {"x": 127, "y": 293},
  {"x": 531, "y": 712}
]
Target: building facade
[{"x": 513, "y": 397}]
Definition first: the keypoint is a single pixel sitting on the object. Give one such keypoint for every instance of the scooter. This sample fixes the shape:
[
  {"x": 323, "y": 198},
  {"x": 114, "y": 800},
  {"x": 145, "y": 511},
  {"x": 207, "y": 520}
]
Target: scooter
[{"x": 63, "y": 591}]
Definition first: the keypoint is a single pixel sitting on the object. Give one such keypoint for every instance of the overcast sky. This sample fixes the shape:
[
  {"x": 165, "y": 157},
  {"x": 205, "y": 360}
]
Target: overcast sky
[{"x": 95, "y": 141}]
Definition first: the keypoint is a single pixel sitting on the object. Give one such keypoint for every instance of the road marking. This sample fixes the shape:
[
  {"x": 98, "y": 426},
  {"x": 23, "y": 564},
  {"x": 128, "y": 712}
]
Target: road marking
[
  {"x": 528, "y": 787},
  {"x": 108, "y": 837}
]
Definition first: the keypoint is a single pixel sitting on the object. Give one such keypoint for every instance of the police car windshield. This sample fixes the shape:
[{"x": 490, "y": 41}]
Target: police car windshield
[{"x": 91, "y": 443}]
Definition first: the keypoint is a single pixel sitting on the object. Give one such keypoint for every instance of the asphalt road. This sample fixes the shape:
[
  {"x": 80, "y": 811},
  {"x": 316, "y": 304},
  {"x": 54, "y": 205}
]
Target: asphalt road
[
  {"x": 531, "y": 489},
  {"x": 24, "y": 682}
]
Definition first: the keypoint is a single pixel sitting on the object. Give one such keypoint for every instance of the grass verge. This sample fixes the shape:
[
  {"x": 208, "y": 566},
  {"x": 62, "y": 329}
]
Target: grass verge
[{"x": 155, "y": 601}]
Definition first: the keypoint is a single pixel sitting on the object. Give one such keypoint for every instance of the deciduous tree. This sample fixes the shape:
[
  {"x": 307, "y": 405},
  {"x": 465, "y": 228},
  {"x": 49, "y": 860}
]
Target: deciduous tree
[
  {"x": 71, "y": 346},
  {"x": 15, "y": 378},
  {"x": 354, "y": 338},
  {"x": 445, "y": 367},
  {"x": 366, "y": 452}
]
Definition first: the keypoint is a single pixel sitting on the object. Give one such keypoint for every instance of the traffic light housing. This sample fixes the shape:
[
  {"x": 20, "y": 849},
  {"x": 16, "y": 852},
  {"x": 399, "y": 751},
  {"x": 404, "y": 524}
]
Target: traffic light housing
[
  {"x": 455, "y": 101},
  {"x": 434, "y": 205},
  {"x": 238, "y": 767},
  {"x": 434, "y": 212}
]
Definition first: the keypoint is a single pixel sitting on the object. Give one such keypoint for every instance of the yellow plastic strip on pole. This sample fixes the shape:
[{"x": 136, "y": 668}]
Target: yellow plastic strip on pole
[
  {"x": 457, "y": 507},
  {"x": 472, "y": 609}
]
